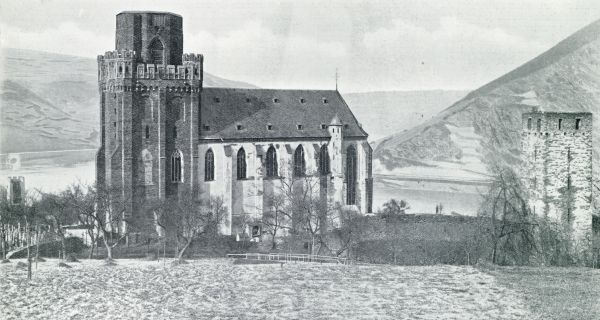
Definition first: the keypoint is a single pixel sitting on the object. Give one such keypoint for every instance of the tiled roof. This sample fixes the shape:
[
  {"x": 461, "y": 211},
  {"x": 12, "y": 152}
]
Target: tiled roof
[{"x": 231, "y": 113}]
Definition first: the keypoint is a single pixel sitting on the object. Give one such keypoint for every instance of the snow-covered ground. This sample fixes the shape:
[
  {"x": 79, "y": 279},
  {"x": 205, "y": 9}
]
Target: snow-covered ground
[{"x": 208, "y": 289}]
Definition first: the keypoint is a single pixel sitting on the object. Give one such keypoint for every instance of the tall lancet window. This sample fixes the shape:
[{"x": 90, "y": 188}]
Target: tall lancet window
[
  {"x": 209, "y": 165},
  {"x": 299, "y": 163},
  {"x": 351, "y": 171},
  {"x": 176, "y": 167},
  {"x": 156, "y": 51},
  {"x": 272, "y": 162},
  {"x": 324, "y": 161},
  {"x": 241, "y": 164}
]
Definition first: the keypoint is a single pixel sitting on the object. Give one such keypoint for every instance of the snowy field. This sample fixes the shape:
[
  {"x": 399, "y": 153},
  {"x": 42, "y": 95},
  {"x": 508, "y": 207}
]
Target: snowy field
[{"x": 209, "y": 289}]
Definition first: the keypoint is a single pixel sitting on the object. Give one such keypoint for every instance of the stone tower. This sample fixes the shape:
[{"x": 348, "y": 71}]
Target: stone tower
[
  {"x": 557, "y": 152},
  {"x": 149, "y": 102},
  {"x": 16, "y": 190}
]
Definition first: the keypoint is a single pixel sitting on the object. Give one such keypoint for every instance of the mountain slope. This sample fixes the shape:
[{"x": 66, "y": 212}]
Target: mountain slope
[
  {"x": 565, "y": 78},
  {"x": 50, "y": 101},
  {"x": 394, "y": 111}
]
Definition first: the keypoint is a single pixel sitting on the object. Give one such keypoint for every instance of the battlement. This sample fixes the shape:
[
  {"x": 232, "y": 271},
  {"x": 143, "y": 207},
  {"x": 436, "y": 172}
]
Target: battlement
[
  {"x": 117, "y": 54},
  {"x": 557, "y": 122},
  {"x": 119, "y": 65},
  {"x": 192, "y": 57}
]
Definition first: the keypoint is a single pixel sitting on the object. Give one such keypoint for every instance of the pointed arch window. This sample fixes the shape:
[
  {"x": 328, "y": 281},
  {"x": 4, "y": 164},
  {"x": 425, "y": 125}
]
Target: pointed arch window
[
  {"x": 272, "y": 162},
  {"x": 176, "y": 167},
  {"x": 299, "y": 163},
  {"x": 241, "y": 164},
  {"x": 209, "y": 165},
  {"x": 351, "y": 171},
  {"x": 324, "y": 161},
  {"x": 156, "y": 51}
]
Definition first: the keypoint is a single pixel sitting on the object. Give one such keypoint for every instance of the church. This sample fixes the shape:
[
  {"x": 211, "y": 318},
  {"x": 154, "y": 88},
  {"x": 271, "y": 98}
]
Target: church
[{"x": 164, "y": 135}]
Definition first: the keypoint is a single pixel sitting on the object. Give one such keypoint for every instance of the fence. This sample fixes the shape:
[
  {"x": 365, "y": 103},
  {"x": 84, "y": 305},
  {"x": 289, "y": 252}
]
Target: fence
[{"x": 290, "y": 257}]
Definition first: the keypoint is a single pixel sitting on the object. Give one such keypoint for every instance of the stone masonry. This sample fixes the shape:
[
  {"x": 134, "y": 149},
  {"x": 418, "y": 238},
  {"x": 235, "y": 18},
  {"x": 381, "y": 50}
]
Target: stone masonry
[{"x": 557, "y": 152}]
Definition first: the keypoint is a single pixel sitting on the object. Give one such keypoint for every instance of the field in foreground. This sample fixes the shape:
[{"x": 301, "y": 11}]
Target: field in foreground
[{"x": 220, "y": 289}]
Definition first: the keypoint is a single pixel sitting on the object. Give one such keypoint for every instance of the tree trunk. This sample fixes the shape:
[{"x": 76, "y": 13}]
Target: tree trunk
[
  {"x": 28, "y": 251},
  {"x": 63, "y": 242},
  {"x": 37, "y": 245},
  {"x": 273, "y": 241},
  {"x": 108, "y": 248},
  {"x": 3, "y": 243},
  {"x": 180, "y": 255}
]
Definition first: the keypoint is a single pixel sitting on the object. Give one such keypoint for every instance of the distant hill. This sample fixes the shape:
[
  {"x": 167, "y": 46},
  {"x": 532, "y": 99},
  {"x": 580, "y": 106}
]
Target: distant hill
[
  {"x": 50, "y": 101},
  {"x": 485, "y": 125},
  {"x": 385, "y": 112}
]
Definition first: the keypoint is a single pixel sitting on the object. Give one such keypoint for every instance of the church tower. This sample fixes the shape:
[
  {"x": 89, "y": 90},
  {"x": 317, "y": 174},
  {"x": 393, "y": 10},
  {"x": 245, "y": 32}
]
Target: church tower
[{"x": 149, "y": 115}]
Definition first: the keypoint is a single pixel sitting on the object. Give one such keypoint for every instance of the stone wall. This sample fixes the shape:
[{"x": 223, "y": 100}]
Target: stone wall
[{"x": 557, "y": 152}]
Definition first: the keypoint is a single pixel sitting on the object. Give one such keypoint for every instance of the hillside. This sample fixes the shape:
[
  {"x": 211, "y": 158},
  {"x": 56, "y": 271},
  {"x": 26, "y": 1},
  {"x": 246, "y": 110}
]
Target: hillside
[
  {"x": 50, "y": 101},
  {"x": 485, "y": 125},
  {"x": 382, "y": 113}
]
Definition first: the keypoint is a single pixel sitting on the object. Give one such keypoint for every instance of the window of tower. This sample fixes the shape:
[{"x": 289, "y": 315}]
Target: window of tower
[
  {"x": 577, "y": 124},
  {"x": 539, "y": 125},
  {"x": 529, "y": 124},
  {"x": 559, "y": 124},
  {"x": 147, "y": 132},
  {"x": 156, "y": 51}
]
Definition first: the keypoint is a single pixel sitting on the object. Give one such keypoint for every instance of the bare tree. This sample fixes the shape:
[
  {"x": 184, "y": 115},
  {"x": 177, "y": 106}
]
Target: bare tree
[
  {"x": 187, "y": 219},
  {"x": 512, "y": 225},
  {"x": 8, "y": 218},
  {"x": 107, "y": 215},
  {"x": 298, "y": 208},
  {"x": 276, "y": 218},
  {"x": 58, "y": 214}
]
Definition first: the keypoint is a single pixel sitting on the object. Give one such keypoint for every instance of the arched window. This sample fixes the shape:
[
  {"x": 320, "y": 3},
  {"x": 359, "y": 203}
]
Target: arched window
[
  {"x": 147, "y": 159},
  {"x": 156, "y": 51},
  {"x": 241, "y": 164},
  {"x": 299, "y": 163},
  {"x": 324, "y": 161},
  {"x": 209, "y": 165},
  {"x": 351, "y": 171},
  {"x": 272, "y": 162},
  {"x": 539, "y": 124},
  {"x": 176, "y": 167}
]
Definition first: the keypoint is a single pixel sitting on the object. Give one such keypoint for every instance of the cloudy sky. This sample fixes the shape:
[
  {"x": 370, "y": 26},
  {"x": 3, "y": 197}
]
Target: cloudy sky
[{"x": 378, "y": 45}]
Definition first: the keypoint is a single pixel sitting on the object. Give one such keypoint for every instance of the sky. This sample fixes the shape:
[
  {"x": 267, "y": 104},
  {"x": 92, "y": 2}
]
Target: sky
[{"x": 375, "y": 45}]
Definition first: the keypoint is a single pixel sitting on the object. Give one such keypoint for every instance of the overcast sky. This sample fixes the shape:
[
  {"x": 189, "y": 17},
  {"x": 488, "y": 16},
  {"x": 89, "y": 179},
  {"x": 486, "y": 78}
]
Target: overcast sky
[{"x": 399, "y": 45}]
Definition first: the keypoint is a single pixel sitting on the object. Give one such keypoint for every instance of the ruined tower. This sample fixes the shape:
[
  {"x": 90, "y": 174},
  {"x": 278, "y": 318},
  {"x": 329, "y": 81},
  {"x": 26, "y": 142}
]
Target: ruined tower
[
  {"x": 557, "y": 152},
  {"x": 149, "y": 102}
]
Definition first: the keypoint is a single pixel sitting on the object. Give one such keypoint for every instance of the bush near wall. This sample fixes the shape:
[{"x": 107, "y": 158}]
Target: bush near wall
[
  {"x": 74, "y": 245},
  {"x": 422, "y": 239}
]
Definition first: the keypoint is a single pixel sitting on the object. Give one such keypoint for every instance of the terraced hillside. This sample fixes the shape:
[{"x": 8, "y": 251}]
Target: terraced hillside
[{"x": 565, "y": 78}]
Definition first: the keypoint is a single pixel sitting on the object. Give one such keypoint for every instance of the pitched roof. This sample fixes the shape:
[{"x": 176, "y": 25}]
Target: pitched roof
[{"x": 232, "y": 113}]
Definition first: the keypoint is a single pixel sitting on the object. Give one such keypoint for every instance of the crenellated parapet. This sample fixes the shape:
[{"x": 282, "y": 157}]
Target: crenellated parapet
[
  {"x": 116, "y": 65},
  {"x": 120, "y": 65}
]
